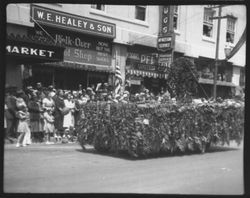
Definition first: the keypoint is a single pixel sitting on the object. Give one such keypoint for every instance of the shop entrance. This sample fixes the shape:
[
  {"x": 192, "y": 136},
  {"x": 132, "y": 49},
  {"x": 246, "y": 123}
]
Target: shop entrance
[
  {"x": 34, "y": 74},
  {"x": 97, "y": 77},
  {"x": 70, "y": 79},
  {"x": 154, "y": 85},
  {"x": 63, "y": 78}
]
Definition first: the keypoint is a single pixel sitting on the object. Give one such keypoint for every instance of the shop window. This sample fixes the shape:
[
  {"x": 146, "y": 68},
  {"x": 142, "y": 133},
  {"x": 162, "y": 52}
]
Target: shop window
[
  {"x": 208, "y": 22},
  {"x": 175, "y": 19},
  {"x": 98, "y": 7},
  {"x": 140, "y": 12},
  {"x": 230, "y": 30}
]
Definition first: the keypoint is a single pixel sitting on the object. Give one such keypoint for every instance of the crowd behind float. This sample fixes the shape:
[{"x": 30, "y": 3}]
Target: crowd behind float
[{"x": 49, "y": 115}]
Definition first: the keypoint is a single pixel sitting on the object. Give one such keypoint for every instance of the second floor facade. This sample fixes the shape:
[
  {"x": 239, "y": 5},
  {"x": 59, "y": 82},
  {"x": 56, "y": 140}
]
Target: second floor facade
[{"x": 195, "y": 32}]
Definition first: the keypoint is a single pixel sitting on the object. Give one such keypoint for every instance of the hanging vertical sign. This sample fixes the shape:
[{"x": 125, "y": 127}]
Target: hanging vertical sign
[
  {"x": 165, "y": 43},
  {"x": 166, "y": 20},
  {"x": 166, "y": 38}
]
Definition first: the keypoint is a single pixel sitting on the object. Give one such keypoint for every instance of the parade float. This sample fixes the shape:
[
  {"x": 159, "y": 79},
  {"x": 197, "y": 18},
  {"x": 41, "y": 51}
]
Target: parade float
[
  {"x": 144, "y": 130},
  {"x": 171, "y": 126}
]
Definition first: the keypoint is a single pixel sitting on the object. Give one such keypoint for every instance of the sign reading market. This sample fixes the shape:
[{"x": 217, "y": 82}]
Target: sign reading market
[
  {"x": 33, "y": 50},
  {"x": 72, "y": 22}
]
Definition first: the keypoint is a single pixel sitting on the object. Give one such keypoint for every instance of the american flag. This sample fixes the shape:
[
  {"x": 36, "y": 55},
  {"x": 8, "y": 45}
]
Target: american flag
[{"x": 118, "y": 80}]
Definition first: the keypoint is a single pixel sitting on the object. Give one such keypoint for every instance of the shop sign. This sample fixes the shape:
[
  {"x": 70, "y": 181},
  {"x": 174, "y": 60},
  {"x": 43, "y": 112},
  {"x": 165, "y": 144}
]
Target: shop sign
[
  {"x": 79, "y": 55},
  {"x": 146, "y": 67},
  {"x": 71, "y": 22},
  {"x": 25, "y": 49},
  {"x": 165, "y": 59},
  {"x": 82, "y": 49},
  {"x": 135, "y": 82},
  {"x": 142, "y": 61},
  {"x": 165, "y": 43},
  {"x": 166, "y": 19}
]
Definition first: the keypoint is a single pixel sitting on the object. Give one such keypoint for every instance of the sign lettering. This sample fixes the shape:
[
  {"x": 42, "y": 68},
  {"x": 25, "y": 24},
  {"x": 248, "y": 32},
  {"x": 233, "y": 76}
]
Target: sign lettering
[
  {"x": 23, "y": 50},
  {"x": 81, "y": 49},
  {"x": 72, "y": 22},
  {"x": 165, "y": 43},
  {"x": 166, "y": 19},
  {"x": 165, "y": 59}
]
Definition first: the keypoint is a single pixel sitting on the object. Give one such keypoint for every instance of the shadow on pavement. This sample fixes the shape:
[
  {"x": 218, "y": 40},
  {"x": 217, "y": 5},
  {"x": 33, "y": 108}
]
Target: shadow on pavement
[{"x": 125, "y": 155}]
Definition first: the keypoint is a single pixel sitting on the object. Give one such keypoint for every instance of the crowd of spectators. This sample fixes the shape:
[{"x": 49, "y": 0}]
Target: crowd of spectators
[{"x": 44, "y": 114}]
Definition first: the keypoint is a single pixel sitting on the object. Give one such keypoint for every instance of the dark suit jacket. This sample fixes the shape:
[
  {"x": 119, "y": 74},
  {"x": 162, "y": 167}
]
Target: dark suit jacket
[{"x": 11, "y": 104}]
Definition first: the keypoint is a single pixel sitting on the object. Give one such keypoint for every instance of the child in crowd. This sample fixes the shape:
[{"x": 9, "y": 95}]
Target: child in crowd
[
  {"x": 23, "y": 126},
  {"x": 49, "y": 125}
]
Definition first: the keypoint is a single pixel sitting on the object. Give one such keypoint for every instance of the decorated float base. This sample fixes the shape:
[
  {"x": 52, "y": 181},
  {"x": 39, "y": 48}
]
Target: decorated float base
[{"x": 150, "y": 130}]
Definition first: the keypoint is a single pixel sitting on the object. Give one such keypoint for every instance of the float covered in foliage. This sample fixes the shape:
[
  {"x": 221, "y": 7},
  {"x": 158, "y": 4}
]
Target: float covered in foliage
[{"x": 146, "y": 129}]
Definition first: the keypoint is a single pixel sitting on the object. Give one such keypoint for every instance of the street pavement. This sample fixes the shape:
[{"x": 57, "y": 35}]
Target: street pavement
[{"x": 66, "y": 168}]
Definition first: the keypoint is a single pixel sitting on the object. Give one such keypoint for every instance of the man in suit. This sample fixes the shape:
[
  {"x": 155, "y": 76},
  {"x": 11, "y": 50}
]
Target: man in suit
[{"x": 10, "y": 112}]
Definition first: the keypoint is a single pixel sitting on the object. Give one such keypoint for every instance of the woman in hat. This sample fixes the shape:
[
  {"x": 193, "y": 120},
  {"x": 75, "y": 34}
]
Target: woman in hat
[{"x": 36, "y": 117}]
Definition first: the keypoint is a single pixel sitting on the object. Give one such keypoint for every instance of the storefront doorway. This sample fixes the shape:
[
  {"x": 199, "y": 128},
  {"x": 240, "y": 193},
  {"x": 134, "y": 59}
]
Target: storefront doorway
[
  {"x": 63, "y": 78},
  {"x": 70, "y": 79}
]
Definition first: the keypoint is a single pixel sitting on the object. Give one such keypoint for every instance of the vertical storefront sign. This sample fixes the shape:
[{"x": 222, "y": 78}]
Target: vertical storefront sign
[
  {"x": 165, "y": 43},
  {"x": 166, "y": 38},
  {"x": 166, "y": 20}
]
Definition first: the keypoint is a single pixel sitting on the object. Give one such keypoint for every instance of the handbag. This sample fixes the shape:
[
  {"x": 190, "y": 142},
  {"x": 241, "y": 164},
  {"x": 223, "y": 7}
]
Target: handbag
[{"x": 65, "y": 110}]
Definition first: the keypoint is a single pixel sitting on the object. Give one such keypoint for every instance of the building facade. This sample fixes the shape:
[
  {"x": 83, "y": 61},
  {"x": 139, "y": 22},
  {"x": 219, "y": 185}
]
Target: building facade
[{"x": 125, "y": 35}]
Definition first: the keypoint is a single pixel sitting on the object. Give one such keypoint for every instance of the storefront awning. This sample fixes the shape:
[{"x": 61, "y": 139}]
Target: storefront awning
[
  {"x": 144, "y": 40},
  {"x": 220, "y": 83},
  {"x": 87, "y": 67},
  {"x": 146, "y": 73},
  {"x": 25, "y": 49}
]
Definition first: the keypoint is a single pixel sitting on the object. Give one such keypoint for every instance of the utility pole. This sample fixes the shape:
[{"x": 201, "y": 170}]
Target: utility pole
[{"x": 217, "y": 54}]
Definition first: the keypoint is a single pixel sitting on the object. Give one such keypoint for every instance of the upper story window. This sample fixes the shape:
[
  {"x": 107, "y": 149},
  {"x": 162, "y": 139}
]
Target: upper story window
[
  {"x": 98, "y": 7},
  {"x": 207, "y": 22},
  {"x": 175, "y": 23},
  {"x": 140, "y": 12},
  {"x": 230, "y": 30},
  {"x": 211, "y": 6}
]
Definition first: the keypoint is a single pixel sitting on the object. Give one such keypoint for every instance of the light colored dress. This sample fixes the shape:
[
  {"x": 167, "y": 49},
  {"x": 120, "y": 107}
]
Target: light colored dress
[
  {"x": 48, "y": 123},
  {"x": 48, "y": 104},
  {"x": 68, "y": 119}
]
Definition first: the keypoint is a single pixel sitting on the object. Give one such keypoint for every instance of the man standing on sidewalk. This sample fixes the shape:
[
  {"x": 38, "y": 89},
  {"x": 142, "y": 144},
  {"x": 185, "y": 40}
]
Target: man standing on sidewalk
[{"x": 10, "y": 113}]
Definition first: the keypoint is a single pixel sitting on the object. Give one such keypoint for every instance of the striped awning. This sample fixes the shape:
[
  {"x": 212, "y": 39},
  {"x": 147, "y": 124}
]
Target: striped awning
[
  {"x": 87, "y": 67},
  {"x": 149, "y": 74}
]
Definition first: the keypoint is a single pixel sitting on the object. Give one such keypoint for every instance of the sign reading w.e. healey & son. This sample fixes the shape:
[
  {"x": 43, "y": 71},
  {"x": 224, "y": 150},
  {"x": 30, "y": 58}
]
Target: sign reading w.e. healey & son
[{"x": 64, "y": 20}]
